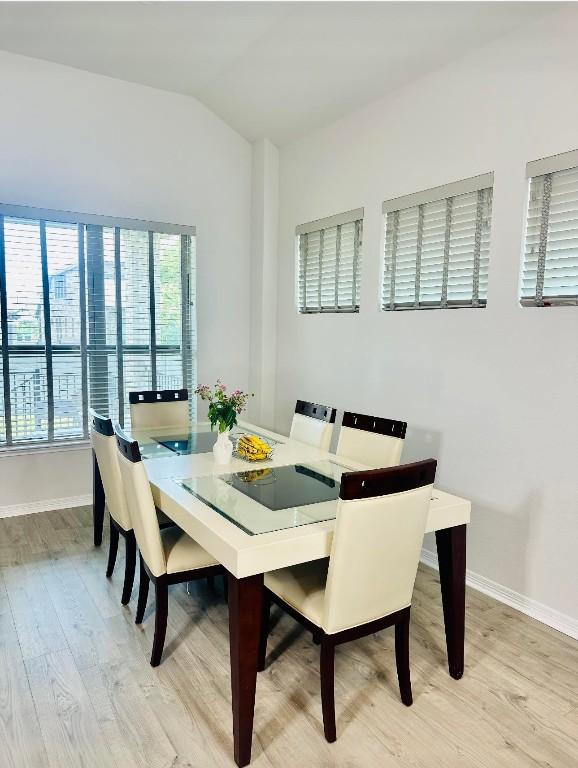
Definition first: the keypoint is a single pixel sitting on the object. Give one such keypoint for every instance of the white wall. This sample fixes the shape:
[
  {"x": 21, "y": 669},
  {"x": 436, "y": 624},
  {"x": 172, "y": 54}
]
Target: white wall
[
  {"x": 264, "y": 231},
  {"x": 491, "y": 393},
  {"x": 76, "y": 141}
]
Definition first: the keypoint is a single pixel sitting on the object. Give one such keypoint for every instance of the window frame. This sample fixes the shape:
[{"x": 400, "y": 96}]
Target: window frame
[
  {"x": 443, "y": 193},
  {"x": 355, "y": 217},
  {"x": 537, "y": 169},
  {"x": 50, "y": 350}
]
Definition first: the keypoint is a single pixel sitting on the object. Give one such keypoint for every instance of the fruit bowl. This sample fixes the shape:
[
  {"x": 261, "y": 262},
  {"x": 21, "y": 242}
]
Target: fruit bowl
[{"x": 253, "y": 448}]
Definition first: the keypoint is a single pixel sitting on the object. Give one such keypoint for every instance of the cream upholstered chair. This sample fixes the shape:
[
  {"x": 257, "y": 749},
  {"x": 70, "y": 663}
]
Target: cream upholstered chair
[
  {"x": 167, "y": 556},
  {"x": 104, "y": 446},
  {"x": 156, "y": 409},
  {"x": 313, "y": 424},
  {"x": 371, "y": 440},
  {"x": 367, "y": 583}
]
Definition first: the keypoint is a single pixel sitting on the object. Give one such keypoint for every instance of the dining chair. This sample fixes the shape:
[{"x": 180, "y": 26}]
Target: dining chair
[
  {"x": 155, "y": 409},
  {"x": 104, "y": 446},
  {"x": 167, "y": 556},
  {"x": 371, "y": 440},
  {"x": 367, "y": 583},
  {"x": 313, "y": 424}
]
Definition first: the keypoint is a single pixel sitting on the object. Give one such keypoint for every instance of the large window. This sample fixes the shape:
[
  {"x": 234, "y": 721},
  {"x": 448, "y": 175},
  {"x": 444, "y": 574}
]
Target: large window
[
  {"x": 90, "y": 309},
  {"x": 437, "y": 246},
  {"x": 329, "y": 263},
  {"x": 550, "y": 270}
]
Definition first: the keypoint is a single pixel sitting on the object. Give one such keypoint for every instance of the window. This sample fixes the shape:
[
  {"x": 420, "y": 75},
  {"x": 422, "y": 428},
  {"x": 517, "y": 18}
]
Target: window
[
  {"x": 437, "y": 246},
  {"x": 550, "y": 270},
  {"x": 59, "y": 286},
  {"x": 329, "y": 263},
  {"x": 90, "y": 308}
]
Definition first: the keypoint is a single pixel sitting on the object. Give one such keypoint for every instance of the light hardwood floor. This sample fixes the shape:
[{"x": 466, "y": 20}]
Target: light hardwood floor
[{"x": 76, "y": 688}]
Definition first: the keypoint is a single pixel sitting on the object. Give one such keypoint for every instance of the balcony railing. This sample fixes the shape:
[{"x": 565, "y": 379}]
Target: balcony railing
[{"x": 29, "y": 403}]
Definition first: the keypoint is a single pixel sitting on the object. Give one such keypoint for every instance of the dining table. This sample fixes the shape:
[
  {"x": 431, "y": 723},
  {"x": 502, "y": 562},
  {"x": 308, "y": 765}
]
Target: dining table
[{"x": 258, "y": 517}]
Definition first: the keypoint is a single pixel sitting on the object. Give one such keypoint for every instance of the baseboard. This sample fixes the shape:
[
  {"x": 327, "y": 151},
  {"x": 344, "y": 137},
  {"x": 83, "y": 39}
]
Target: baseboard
[
  {"x": 542, "y": 613},
  {"x": 45, "y": 505}
]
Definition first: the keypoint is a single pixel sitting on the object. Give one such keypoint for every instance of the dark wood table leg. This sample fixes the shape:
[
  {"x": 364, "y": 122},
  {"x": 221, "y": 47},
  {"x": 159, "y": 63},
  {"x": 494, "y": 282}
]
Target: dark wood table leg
[
  {"x": 245, "y": 618},
  {"x": 451, "y": 546},
  {"x": 97, "y": 502}
]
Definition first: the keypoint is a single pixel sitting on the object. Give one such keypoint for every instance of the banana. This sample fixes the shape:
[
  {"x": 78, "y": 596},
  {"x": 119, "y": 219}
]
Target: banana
[
  {"x": 253, "y": 448},
  {"x": 254, "y": 475}
]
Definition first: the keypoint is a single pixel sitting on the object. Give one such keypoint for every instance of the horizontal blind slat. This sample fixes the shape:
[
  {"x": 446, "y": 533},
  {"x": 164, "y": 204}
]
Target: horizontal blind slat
[
  {"x": 328, "y": 277},
  {"x": 50, "y": 401},
  {"x": 550, "y": 266},
  {"x": 466, "y": 268}
]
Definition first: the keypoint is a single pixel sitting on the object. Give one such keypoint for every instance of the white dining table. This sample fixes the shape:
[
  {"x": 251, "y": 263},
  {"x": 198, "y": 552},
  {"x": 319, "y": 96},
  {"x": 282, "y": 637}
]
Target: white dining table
[{"x": 242, "y": 535}]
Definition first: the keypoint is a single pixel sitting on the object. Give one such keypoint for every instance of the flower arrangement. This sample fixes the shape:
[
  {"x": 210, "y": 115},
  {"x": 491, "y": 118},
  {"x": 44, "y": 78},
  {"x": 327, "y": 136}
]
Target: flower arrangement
[{"x": 223, "y": 408}]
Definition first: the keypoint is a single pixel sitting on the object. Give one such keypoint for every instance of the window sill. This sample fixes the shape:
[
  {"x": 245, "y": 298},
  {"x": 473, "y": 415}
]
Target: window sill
[{"x": 64, "y": 447}]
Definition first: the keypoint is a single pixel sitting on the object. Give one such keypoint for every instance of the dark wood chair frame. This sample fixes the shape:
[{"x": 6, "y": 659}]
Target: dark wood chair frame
[
  {"x": 158, "y": 396},
  {"x": 103, "y": 425},
  {"x": 316, "y": 411},
  {"x": 116, "y": 531},
  {"x": 358, "y": 485},
  {"x": 98, "y": 502},
  {"x": 376, "y": 424},
  {"x": 162, "y": 584},
  {"x": 328, "y": 643},
  {"x": 130, "y": 450}
]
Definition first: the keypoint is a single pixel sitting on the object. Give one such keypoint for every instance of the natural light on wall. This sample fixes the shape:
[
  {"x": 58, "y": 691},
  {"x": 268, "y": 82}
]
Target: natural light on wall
[{"x": 90, "y": 309}]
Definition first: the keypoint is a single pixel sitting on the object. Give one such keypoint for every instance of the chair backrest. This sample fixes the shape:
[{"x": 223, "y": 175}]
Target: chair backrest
[
  {"x": 104, "y": 446},
  {"x": 140, "y": 503},
  {"x": 313, "y": 424},
  {"x": 159, "y": 408},
  {"x": 371, "y": 440},
  {"x": 377, "y": 542}
]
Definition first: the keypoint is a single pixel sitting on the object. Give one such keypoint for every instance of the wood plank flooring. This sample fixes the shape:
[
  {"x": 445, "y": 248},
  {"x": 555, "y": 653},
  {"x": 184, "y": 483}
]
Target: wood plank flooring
[{"x": 76, "y": 688}]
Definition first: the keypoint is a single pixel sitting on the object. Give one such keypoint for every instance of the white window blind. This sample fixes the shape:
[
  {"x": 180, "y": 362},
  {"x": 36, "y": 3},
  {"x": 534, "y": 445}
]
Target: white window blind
[
  {"x": 550, "y": 269},
  {"x": 329, "y": 263},
  {"x": 437, "y": 247},
  {"x": 90, "y": 308}
]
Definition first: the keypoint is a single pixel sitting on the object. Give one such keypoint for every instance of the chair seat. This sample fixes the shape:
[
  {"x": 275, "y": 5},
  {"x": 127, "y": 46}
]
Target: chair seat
[
  {"x": 302, "y": 587},
  {"x": 183, "y": 553}
]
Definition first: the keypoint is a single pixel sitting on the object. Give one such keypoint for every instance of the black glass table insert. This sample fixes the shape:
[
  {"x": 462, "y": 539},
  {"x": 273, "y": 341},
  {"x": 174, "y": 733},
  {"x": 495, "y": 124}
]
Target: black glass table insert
[
  {"x": 185, "y": 444},
  {"x": 285, "y": 487}
]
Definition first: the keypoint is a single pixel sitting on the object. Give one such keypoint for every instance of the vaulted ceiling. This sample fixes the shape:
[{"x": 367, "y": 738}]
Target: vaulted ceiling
[{"x": 268, "y": 69}]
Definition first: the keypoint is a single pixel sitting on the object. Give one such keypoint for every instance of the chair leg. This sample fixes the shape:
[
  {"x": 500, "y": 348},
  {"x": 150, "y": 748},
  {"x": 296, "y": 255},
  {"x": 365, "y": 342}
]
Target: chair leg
[
  {"x": 112, "y": 549},
  {"x": 402, "y": 660},
  {"x": 143, "y": 593},
  {"x": 161, "y": 615},
  {"x": 129, "y": 569},
  {"x": 316, "y": 637},
  {"x": 328, "y": 687},
  {"x": 264, "y": 632}
]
